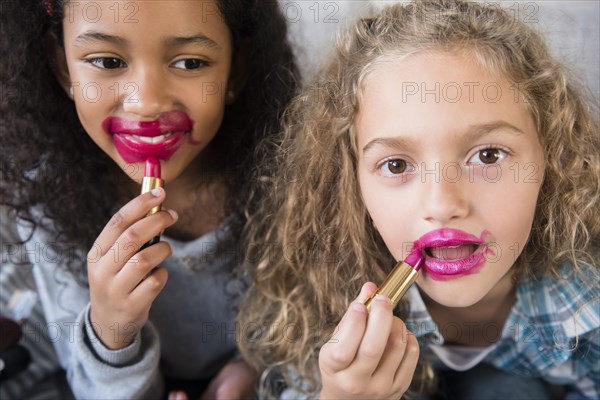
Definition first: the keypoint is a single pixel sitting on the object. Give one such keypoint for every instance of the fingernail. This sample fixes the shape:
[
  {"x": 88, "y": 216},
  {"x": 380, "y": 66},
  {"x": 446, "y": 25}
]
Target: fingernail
[
  {"x": 174, "y": 214},
  {"x": 366, "y": 288},
  {"x": 176, "y": 396},
  {"x": 359, "y": 307},
  {"x": 156, "y": 192},
  {"x": 380, "y": 297}
]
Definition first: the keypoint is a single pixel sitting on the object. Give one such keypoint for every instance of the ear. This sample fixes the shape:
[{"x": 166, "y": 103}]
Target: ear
[
  {"x": 55, "y": 54},
  {"x": 239, "y": 72}
]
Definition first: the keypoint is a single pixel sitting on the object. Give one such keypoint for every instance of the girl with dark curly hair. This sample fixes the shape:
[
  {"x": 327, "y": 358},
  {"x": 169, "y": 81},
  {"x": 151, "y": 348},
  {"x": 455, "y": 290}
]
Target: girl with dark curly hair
[
  {"x": 91, "y": 90},
  {"x": 448, "y": 125}
]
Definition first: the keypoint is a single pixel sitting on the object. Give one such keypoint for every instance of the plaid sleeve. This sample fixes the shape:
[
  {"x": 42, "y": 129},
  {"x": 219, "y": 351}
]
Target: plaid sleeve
[{"x": 588, "y": 355}]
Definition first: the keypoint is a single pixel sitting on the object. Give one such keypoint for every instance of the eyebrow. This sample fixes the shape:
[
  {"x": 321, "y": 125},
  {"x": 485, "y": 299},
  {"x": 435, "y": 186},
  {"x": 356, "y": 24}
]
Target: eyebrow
[
  {"x": 392, "y": 142},
  {"x": 194, "y": 39},
  {"x": 95, "y": 36},
  {"x": 472, "y": 132}
]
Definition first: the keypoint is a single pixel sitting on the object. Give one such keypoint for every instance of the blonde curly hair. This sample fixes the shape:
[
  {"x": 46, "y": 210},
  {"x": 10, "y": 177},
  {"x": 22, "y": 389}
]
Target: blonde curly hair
[{"x": 313, "y": 244}]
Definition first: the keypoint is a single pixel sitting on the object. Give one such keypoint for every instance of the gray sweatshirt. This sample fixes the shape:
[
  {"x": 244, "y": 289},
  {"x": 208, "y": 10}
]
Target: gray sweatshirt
[{"x": 190, "y": 334}]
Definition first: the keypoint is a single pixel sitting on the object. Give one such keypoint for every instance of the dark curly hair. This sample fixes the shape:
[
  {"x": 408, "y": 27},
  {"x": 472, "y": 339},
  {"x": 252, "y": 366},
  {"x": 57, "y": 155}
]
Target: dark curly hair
[{"x": 52, "y": 166}]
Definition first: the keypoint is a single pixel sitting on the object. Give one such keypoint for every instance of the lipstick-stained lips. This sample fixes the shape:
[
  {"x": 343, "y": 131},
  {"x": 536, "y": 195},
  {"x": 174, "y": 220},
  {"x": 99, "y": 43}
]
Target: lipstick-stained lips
[
  {"x": 452, "y": 253},
  {"x": 137, "y": 140}
]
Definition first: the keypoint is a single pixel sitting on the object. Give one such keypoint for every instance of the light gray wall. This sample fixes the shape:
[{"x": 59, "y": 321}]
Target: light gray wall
[
  {"x": 572, "y": 28},
  {"x": 314, "y": 24},
  {"x": 573, "y": 31}
]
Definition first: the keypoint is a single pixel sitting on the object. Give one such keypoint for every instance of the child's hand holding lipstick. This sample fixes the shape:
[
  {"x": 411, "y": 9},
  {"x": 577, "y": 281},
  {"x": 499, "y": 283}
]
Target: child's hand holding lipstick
[
  {"x": 124, "y": 280},
  {"x": 371, "y": 355}
]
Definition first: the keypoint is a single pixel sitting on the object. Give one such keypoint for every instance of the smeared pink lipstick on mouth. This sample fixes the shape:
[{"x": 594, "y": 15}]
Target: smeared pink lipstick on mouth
[
  {"x": 136, "y": 141},
  {"x": 452, "y": 253}
]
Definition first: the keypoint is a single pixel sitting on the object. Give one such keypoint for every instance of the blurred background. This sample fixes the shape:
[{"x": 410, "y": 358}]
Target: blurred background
[{"x": 572, "y": 28}]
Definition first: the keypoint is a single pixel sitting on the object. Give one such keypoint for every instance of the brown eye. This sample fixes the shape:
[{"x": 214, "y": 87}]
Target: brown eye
[
  {"x": 107, "y": 62},
  {"x": 490, "y": 156},
  {"x": 112, "y": 63},
  {"x": 190, "y": 64},
  {"x": 396, "y": 166}
]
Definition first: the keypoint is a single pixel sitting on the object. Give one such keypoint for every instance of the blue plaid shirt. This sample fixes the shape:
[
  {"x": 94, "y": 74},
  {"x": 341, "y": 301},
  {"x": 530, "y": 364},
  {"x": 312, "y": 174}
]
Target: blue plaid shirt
[{"x": 552, "y": 332}]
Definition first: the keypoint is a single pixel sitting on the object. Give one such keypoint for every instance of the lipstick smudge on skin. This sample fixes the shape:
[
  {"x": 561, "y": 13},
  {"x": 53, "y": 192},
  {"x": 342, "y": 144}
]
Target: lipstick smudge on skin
[{"x": 137, "y": 140}]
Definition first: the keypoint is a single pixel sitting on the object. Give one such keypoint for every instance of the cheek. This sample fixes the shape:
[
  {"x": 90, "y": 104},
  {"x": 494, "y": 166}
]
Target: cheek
[
  {"x": 509, "y": 213},
  {"x": 523, "y": 220},
  {"x": 371, "y": 196},
  {"x": 90, "y": 119},
  {"x": 207, "y": 123},
  {"x": 390, "y": 215},
  {"x": 206, "y": 105},
  {"x": 95, "y": 99}
]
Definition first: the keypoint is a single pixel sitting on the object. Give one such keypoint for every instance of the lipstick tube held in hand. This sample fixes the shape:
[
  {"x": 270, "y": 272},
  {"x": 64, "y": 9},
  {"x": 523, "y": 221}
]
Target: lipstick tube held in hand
[
  {"x": 398, "y": 281},
  {"x": 151, "y": 181}
]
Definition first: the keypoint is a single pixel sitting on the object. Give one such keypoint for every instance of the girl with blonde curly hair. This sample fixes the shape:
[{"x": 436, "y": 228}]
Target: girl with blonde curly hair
[
  {"x": 448, "y": 123},
  {"x": 100, "y": 99}
]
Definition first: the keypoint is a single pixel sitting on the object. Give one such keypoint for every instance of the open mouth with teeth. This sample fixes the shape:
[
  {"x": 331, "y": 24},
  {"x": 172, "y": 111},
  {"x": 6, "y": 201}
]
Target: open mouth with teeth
[
  {"x": 449, "y": 262},
  {"x": 136, "y": 141},
  {"x": 149, "y": 139},
  {"x": 136, "y": 148},
  {"x": 452, "y": 253}
]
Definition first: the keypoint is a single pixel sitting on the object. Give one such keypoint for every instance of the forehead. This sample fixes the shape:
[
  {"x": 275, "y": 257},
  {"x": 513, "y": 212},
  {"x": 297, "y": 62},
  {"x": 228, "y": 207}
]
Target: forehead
[
  {"x": 435, "y": 77},
  {"x": 145, "y": 20},
  {"x": 433, "y": 91}
]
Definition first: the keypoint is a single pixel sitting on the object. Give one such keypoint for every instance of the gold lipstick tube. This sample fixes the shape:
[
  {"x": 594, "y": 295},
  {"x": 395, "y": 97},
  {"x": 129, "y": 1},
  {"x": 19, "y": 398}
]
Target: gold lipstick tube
[
  {"x": 396, "y": 284},
  {"x": 149, "y": 183}
]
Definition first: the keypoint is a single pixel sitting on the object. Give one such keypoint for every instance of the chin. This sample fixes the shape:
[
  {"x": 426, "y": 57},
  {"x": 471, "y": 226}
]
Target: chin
[
  {"x": 455, "y": 302},
  {"x": 455, "y": 297}
]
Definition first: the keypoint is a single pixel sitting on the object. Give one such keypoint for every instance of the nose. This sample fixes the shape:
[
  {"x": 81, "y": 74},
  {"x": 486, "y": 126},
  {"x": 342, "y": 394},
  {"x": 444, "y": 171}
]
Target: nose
[
  {"x": 443, "y": 198},
  {"x": 146, "y": 93}
]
